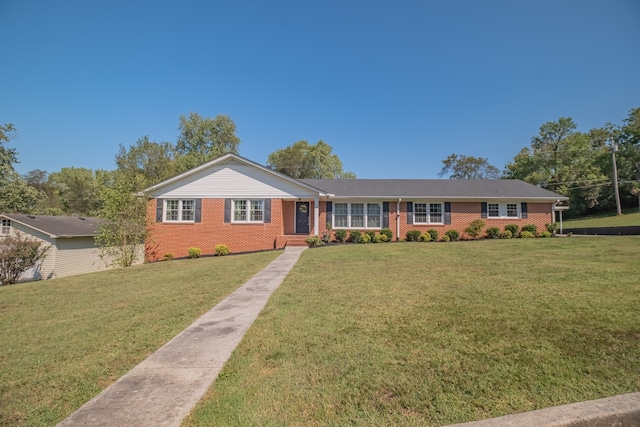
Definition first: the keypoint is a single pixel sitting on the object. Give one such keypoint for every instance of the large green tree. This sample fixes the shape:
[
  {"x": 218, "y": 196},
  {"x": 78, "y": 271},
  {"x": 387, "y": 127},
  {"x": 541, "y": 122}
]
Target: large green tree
[
  {"x": 303, "y": 160},
  {"x": 468, "y": 167},
  {"x": 202, "y": 139},
  {"x": 563, "y": 160},
  {"x": 148, "y": 160},
  {"x": 79, "y": 190},
  {"x": 629, "y": 143},
  {"x": 17, "y": 195}
]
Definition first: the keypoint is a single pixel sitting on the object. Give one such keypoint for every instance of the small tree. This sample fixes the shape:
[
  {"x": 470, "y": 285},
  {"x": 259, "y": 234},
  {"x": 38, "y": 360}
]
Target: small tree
[
  {"x": 475, "y": 228},
  {"x": 18, "y": 254},
  {"x": 123, "y": 229}
]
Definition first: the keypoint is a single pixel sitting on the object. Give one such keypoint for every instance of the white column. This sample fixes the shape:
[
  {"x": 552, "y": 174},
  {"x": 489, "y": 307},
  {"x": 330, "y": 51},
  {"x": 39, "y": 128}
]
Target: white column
[{"x": 316, "y": 216}]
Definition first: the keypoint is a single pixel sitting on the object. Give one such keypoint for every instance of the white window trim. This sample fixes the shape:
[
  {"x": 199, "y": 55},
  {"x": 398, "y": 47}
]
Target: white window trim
[
  {"x": 248, "y": 204},
  {"x": 5, "y": 227},
  {"x": 180, "y": 210},
  {"x": 441, "y": 222},
  {"x": 365, "y": 215},
  {"x": 502, "y": 210}
]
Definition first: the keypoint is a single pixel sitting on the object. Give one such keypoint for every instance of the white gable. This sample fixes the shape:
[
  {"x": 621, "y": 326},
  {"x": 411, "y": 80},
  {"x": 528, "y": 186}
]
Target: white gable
[{"x": 233, "y": 178}]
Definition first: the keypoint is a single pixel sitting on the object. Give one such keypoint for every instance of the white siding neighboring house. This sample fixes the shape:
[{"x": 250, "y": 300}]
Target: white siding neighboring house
[{"x": 70, "y": 239}]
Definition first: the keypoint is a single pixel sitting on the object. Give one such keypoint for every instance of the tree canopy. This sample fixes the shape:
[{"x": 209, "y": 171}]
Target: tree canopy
[
  {"x": 202, "y": 139},
  {"x": 303, "y": 160},
  {"x": 150, "y": 161},
  {"x": 468, "y": 167}
]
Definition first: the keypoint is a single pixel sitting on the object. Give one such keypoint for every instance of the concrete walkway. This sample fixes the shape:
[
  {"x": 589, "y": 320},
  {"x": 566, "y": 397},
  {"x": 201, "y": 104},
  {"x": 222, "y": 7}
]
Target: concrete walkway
[{"x": 162, "y": 390}]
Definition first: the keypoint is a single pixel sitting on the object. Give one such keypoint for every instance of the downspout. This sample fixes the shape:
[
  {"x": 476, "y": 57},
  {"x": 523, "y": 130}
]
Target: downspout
[{"x": 398, "y": 220}]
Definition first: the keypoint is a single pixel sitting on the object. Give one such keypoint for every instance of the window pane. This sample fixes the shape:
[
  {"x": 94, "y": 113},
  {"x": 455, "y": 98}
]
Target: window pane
[
  {"x": 239, "y": 210},
  {"x": 357, "y": 209},
  {"x": 357, "y": 221},
  {"x": 340, "y": 221},
  {"x": 256, "y": 210},
  {"x": 494, "y": 209},
  {"x": 172, "y": 210},
  {"x": 435, "y": 212},
  {"x": 340, "y": 209},
  {"x": 420, "y": 213},
  {"x": 188, "y": 207},
  {"x": 512, "y": 209}
]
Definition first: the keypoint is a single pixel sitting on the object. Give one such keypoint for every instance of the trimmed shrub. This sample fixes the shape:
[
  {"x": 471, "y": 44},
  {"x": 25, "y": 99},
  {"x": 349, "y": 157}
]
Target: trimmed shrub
[
  {"x": 355, "y": 236},
  {"x": 425, "y": 237},
  {"x": 552, "y": 227},
  {"x": 513, "y": 228},
  {"x": 372, "y": 235},
  {"x": 388, "y": 233},
  {"x": 453, "y": 235},
  {"x": 365, "y": 238},
  {"x": 545, "y": 234},
  {"x": 381, "y": 238},
  {"x": 313, "y": 241},
  {"x": 341, "y": 235},
  {"x": 434, "y": 234},
  {"x": 525, "y": 234},
  {"x": 445, "y": 238},
  {"x": 169, "y": 256},
  {"x": 531, "y": 228},
  {"x": 194, "y": 252},
  {"x": 493, "y": 232},
  {"x": 222, "y": 250},
  {"x": 413, "y": 235},
  {"x": 475, "y": 228},
  {"x": 506, "y": 234}
]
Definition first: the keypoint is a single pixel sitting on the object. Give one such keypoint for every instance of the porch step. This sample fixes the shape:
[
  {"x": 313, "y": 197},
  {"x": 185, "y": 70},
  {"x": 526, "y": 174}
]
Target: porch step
[{"x": 292, "y": 241}]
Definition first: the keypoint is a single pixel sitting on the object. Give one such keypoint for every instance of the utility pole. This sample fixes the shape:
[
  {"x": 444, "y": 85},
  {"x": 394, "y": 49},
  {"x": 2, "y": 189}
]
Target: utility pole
[{"x": 614, "y": 148}]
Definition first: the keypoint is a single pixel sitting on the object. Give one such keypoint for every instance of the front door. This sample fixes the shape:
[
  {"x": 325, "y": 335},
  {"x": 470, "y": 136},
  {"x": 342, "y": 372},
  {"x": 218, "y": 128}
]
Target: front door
[{"x": 302, "y": 217}]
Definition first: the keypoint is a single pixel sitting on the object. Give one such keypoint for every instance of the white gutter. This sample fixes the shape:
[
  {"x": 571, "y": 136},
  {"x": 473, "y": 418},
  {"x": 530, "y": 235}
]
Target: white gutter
[{"x": 398, "y": 220}]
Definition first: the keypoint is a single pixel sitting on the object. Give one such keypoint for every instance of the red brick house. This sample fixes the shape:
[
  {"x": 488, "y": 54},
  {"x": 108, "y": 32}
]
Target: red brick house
[{"x": 249, "y": 207}]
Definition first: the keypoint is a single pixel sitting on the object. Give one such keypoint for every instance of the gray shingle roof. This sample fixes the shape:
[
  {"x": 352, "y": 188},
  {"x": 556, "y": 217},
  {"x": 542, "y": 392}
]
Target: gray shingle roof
[
  {"x": 433, "y": 188},
  {"x": 59, "y": 226}
]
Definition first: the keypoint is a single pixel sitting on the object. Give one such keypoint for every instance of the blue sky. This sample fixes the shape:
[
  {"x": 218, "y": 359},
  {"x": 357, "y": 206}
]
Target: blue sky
[{"x": 393, "y": 87}]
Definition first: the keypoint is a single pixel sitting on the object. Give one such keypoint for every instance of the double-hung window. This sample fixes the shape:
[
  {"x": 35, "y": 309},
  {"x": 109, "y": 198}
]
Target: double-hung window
[
  {"x": 180, "y": 210},
  {"x": 503, "y": 210},
  {"x": 5, "y": 227},
  {"x": 427, "y": 213},
  {"x": 357, "y": 215},
  {"x": 341, "y": 215},
  {"x": 248, "y": 210}
]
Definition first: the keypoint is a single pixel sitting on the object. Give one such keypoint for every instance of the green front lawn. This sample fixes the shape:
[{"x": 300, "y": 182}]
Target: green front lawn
[
  {"x": 63, "y": 341},
  {"x": 629, "y": 217},
  {"x": 435, "y": 333}
]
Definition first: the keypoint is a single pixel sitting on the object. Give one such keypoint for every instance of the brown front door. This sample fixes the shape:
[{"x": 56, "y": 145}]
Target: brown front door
[{"x": 302, "y": 217}]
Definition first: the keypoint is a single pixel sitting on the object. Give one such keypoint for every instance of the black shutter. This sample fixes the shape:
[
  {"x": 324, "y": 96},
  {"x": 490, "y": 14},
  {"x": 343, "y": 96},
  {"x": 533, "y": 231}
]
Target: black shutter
[
  {"x": 483, "y": 209},
  {"x": 329, "y": 214},
  {"x": 385, "y": 214},
  {"x": 227, "y": 210},
  {"x": 267, "y": 211},
  {"x": 409, "y": 212},
  {"x": 159, "y": 210},
  {"x": 447, "y": 212},
  {"x": 197, "y": 215},
  {"x": 524, "y": 210}
]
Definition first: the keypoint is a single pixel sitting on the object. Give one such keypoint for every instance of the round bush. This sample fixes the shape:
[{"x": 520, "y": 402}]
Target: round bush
[
  {"x": 506, "y": 234},
  {"x": 222, "y": 250},
  {"x": 493, "y": 232},
  {"x": 526, "y": 234},
  {"x": 365, "y": 238},
  {"x": 425, "y": 237},
  {"x": 434, "y": 234},
  {"x": 445, "y": 238},
  {"x": 545, "y": 234},
  {"x": 454, "y": 235}
]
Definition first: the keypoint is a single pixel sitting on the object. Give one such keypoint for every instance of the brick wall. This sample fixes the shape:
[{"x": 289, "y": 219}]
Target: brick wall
[{"x": 177, "y": 238}]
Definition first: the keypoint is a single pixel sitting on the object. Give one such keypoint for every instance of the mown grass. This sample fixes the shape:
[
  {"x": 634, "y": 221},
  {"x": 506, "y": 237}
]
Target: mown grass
[
  {"x": 629, "y": 217},
  {"x": 63, "y": 341},
  {"x": 434, "y": 333}
]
